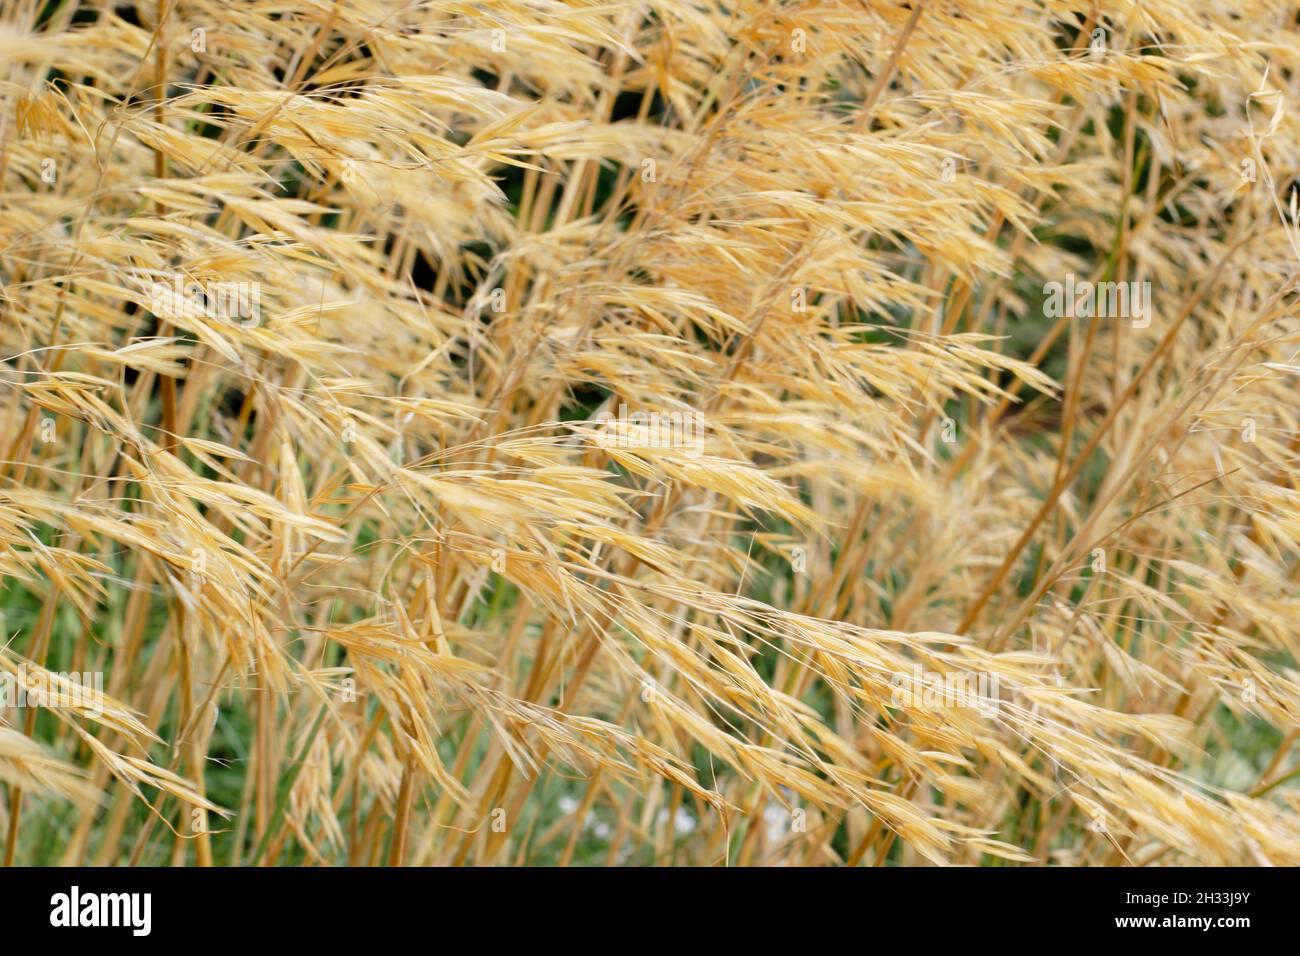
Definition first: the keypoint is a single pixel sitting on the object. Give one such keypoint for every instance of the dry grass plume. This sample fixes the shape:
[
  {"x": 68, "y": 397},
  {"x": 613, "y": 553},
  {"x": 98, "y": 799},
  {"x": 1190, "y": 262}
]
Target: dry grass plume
[{"x": 533, "y": 432}]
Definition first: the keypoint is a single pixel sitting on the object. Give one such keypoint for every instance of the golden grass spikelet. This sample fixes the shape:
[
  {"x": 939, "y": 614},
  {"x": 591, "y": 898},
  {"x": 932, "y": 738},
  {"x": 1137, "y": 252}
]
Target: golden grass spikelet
[{"x": 650, "y": 433}]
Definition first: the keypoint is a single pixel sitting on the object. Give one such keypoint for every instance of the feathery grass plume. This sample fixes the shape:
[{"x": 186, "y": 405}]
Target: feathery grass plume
[{"x": 650, "y": 432}]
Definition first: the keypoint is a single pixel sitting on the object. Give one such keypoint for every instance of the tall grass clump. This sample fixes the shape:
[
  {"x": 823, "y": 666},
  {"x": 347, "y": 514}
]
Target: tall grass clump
[{"x": 649, "y": 432}]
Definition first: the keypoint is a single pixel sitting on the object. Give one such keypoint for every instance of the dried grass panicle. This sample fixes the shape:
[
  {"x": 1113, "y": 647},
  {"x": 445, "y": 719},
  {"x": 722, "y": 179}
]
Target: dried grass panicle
[{"x": 642, "y": 432}]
